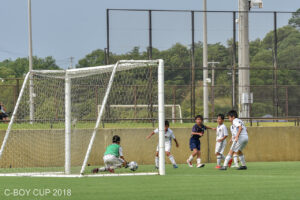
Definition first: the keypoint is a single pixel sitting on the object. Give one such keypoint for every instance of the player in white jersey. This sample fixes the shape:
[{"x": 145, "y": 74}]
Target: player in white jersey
[
  {"x": 238, "y": 142},
  {"x": 222, "y": 134},
  {"x": 169, "y": 135}
]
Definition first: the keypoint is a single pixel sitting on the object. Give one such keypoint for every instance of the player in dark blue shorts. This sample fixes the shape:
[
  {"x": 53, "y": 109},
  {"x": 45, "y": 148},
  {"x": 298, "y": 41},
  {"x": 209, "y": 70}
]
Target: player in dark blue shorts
[{"x": 195, "y": 145}]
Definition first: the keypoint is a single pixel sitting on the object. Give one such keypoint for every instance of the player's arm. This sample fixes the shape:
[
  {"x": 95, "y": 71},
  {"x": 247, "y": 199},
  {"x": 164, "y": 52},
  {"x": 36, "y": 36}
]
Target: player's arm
[
  {"x": 176, "y": 142},
  {"x": 122, "y": 157},
  {"x": 125, "y": 162},
  {"x": 222, "y": 139},
  {"x": 195, "y": 133},
  {"x": 238, "y": 133},
  {"x": 207, "y": 127},
  {"x": 149, "y": 136}
]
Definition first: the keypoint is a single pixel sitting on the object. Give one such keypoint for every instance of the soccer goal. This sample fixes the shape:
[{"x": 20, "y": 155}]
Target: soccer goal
[{"x": 64, "y": 137}]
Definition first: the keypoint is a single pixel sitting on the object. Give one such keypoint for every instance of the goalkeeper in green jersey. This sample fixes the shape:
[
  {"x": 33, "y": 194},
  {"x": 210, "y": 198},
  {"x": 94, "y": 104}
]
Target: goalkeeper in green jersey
[{"x": 113, "y": 157}]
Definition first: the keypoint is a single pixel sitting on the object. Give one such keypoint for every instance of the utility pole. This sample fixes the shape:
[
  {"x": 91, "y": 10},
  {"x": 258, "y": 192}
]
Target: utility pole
[
  {"x": 233, "y": 101},
  {"x": 243, "y": 50},
  {"x": 31, "y": 91},
  {"x": 213, "y": 87},
  {"x": 71, "y": 62},
  {"x": 205, "y": 65}
]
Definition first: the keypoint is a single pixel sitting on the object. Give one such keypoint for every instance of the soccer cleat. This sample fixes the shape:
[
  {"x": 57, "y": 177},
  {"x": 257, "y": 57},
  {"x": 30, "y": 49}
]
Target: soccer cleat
[
  {"x": 235, "y": 166},
  {"x": 218, "y": 167},
  {"x": 242, "y": 168},
  {"x": 175, "y": 166},
  {"x": 96, "y": 170},
  {"x": 229, "y": 163},
  {"x": 111, "y": 170},
  {"x": 200, "y": 165},
  {"x": 223, "y": 168},
  {"x": 189, "y": 163}
]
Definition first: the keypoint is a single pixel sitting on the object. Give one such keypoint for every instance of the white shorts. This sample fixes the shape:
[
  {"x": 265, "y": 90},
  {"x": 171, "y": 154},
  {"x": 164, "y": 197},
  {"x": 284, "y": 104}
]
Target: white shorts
[
  {"x": 220, "y": 147},
  {"x": 168, "y": 146},
  {"x": 240, "y": 144},
  {"x": 112, "y": 160}
]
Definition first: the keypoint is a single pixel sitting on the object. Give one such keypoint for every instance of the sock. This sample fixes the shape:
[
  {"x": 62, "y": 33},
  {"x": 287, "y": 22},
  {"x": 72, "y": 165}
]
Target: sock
[
  {"x": 228, "y": 157},
  {"x": 222, "y": 157},
  {"x": 191, "y": 158},
  {"x": 235, "y": 159},
  {"x": 242, "y": 159},
  {"x": 219, "y": 159},
  {"x": 156, "y": 161},
  {"x": 198, "y": 161},
  {"x": 102, "y": 169},
  {"x": 172, "y": 159}
]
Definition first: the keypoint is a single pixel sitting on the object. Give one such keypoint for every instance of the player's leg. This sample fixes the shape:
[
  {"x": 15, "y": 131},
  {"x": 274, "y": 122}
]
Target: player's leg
[
  {"x": 244, "y": 142},
  {"x": 168, "y": 146},
  {"x": 242, "y": 159},
  {"x": 156, "y": 158},
  {"x": 228, "y": 158},
  {"x": 218, "y": 154},
  {"x": 114, "y": 163},
  {"x": 199, "y": 164},
  {"x": 193, "y": 147},
  {"x": 219, "y": 160},
  {"x": 235, "y": 160},
  {"x": 117, "y": 163},
  {"x": 190, "y": 159},
  {"x": 172, "y": 159},
  {"x": 106, "y": 161}
]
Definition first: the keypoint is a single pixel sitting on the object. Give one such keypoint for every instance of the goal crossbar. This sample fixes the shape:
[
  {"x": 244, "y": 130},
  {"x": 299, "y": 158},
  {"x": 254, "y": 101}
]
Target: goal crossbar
[{"x": 86, "y": 71}]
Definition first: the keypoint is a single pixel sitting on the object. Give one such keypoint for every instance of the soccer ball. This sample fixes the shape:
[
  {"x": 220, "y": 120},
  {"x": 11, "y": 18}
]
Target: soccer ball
[{"x": 133, "y": 166}]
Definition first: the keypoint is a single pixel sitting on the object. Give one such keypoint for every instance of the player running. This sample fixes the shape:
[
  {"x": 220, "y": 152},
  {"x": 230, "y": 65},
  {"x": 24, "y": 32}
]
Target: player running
[
  {"x": 222, "y": 134},
  {"x": 169, "y": 135},
  {"x": 195, "y": 145},
  {"x": 238, "y": 142},
  {"x": 113, "y": 157}
]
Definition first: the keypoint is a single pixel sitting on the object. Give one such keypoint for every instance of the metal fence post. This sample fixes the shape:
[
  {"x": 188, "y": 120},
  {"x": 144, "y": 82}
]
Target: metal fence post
[
  {"x": 233, "y": 60},
  {"x": 286, "y": 102},
  {"x": 275, "y": 65},
  {"x": 193, "y": 64},
  {"x": 150, "y": 34},
  {"x": 107, "y": 36},
  {"x": 174, "y": 104}
]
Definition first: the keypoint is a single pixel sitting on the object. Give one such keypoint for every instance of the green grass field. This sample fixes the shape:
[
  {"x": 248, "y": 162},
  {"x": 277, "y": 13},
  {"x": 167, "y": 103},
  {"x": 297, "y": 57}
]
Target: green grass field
[{"x": 265, "y": 180}]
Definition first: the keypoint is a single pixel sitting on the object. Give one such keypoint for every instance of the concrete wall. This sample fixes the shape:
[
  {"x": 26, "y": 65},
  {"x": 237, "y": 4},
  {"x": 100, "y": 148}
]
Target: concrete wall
[{"x": 28, "y": 148}]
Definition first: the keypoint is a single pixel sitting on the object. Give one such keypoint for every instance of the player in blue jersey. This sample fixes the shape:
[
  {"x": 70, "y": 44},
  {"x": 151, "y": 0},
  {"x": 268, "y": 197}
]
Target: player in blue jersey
[{"x": 195, "y": 145}]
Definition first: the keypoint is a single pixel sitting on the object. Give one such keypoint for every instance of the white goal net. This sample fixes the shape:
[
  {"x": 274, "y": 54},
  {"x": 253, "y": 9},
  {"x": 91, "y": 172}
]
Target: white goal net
[
  {"x": 141, "y": 111},
  {"x": 56, "y": 127}
]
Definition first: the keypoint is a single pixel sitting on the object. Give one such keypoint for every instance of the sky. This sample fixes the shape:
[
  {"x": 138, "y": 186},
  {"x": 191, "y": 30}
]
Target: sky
[{"x": 74, "y": 28}]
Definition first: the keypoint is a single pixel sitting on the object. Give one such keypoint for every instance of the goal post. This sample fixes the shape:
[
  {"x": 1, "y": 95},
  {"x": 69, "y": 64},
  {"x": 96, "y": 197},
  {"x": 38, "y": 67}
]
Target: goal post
[
  {"x": 61, "y": 131},
  {"x": 13, "y": 116}
]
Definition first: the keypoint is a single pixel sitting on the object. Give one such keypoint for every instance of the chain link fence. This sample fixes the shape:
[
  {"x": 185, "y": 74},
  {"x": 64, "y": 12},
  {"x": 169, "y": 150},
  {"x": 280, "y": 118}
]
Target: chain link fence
[{"x": 176, "y": 36}]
